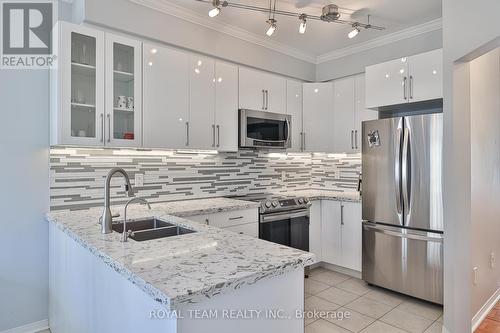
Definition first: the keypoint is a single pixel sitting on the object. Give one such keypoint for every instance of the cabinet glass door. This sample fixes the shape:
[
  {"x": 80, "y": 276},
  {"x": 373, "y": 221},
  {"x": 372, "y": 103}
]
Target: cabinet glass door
[
  {"x": 82, "y": 108},
  {"x": 123, "y": 112}
]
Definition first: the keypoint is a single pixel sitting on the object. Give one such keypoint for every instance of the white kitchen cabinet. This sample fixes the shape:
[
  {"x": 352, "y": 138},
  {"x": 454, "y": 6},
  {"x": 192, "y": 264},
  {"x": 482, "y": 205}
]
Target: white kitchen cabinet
[
  {"x": 201, "y": 103},
  {"x": 249, "y": 229},
  {"x": 226, "y": 106},
  {"x": 123, "y": 92},
  {"x": 166, "y": 97},
  {"x": 331, "y": 230},
  {"x": 426, "y": 78},
  {"x": 261, "y": 91},
  {"x": 405, "y": 80},
  {"x": 341, "y": 242},
  {"x": 77, "y": 86},
  {"x": 294, "y": 108},
  {"x": 351, "y": 235},
  {"x": 362, "y": 113},
  {"x": 318, "y": 135},
  {"x": 244, "y": 221},
  {"x": 315, "y": 229},
  {"x": 344, "y": 114}
]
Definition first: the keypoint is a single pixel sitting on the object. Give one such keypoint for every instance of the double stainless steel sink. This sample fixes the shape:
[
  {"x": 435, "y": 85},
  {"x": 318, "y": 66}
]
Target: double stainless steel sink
[{"x": 150, "y": 228}]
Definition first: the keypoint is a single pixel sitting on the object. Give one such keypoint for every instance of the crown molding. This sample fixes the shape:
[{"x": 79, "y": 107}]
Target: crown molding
[
  {"x": 416, "y": 30},
  {"x": 228, "y": 29}
]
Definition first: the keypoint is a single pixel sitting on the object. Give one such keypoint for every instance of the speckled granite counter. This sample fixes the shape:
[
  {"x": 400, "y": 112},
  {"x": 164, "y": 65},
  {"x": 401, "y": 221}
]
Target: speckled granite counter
[
  {"x": 314, "y": 194},
  {"x": 177, "y": 271}
]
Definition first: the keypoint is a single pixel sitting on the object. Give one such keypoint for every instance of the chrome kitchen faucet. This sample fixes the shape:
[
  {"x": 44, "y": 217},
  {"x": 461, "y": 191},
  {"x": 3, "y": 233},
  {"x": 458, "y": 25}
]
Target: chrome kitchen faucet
[{"x": 106, "y": 219}]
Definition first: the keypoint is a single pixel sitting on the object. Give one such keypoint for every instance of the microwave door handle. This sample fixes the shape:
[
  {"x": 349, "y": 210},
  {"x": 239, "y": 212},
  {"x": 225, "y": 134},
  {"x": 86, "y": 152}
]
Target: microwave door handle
[
  {"x": 405, "y": 167},
  {"x": 397, "y": 171}
]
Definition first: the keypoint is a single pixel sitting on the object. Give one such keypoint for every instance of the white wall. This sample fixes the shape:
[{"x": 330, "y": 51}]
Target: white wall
[
  {"x": 123, "y": 14},
  {"x": 485, "y": 173},
  {"x": 356, "y": 63},
  {"x": 24, "y": 197},
  {"x": 464, "y": 30}
]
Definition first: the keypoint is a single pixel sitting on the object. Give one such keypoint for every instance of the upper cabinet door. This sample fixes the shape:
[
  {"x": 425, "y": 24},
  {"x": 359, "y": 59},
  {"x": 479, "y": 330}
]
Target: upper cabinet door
[
  {"x": 78, "y": 83},
  {"x": 426, "y": 76},
  {"x": 226, "y": 106},
  {"x": 201, "y": 103},
  {"x": 317, "y": 117},
  {"x": 387, "y": 83},
  {"x": 123, "y": 92},
  {"x": 344, "y": 114},
  {"x": 166, "y": 97},
  {"x": 362, "y": 113},
  {"x": 294, "y": 108},
  {"x": 261, "y": 91}
]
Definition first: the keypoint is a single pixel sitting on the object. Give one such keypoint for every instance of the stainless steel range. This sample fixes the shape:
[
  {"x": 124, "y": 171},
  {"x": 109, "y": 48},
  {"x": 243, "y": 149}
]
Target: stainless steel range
[{"x": 283, "y": 220}]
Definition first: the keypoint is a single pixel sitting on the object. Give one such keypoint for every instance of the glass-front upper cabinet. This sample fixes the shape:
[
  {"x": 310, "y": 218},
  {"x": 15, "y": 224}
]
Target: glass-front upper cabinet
[
  {"x": 123, "y": 92},
  {"x": 78, "y": 86}
]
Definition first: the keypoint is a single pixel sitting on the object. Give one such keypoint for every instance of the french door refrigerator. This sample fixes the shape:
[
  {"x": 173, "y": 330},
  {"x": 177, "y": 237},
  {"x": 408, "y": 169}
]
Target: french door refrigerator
[{"x": 403, "y": 206}]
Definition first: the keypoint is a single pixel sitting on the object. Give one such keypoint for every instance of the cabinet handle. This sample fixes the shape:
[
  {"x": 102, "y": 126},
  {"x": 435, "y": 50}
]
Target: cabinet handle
[
  {"x": 109, "y": 128},
  {"x": 263, "y": 99},
  {"x": 356, "y": 139},
  {"x": 267, "y": 99},
  {"x": 218, "y": 136},
  {"x": 102, "y": 127},
  {"x": 352, "y": 139},
  {"x": 304, "y": 137},
  {"x": 207, "y": 222},
  {"x": 301, "y": 141},
  {"x": 404, "y": 87},
  {"x": 235, "y": 218},
  {"x": 341, "y": 214},
  {"x": 213, "y": 135},
  {"x": 187, "y": 133},
  {"x": 411, "y": 86}
]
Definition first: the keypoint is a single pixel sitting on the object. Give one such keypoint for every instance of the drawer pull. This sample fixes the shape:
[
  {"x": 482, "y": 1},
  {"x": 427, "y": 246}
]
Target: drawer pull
[{"x": 235, "y": 218}]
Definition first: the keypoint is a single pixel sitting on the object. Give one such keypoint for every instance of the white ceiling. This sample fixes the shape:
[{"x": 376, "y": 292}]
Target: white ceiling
[{"x": 320, "y": 38}]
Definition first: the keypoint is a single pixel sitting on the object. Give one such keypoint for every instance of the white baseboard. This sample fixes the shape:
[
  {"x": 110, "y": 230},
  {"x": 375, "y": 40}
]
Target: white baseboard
[
  {"x": 340, "y": 269},
  {"x": 30, "y": 328},
  {"x": 485, "y": 309}
]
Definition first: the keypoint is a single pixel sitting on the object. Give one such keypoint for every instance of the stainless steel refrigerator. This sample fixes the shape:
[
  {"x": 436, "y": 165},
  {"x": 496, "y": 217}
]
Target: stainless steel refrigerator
[{"x": 403, "y": 205}]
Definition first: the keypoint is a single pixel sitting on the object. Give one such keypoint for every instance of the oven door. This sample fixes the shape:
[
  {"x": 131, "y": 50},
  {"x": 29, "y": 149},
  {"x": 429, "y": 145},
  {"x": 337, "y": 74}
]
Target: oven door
[
  {"x": 264, "y": 129},
  {"x": 286, "y": 228}
]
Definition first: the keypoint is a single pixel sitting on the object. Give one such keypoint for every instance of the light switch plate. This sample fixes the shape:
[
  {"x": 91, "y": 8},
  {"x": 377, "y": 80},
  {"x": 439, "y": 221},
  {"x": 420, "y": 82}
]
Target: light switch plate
[{"x": 139, "y": 179}]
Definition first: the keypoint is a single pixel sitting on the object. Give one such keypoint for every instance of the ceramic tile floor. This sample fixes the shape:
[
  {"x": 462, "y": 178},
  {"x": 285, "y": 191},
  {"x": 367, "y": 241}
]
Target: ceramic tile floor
[
  {"x": 491, "y": 324},
  {"x": 372, "y": 309}
]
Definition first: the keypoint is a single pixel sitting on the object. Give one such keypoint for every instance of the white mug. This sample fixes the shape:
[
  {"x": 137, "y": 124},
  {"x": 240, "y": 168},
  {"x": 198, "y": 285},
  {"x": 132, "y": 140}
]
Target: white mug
[{"x": 130, "y": 103}]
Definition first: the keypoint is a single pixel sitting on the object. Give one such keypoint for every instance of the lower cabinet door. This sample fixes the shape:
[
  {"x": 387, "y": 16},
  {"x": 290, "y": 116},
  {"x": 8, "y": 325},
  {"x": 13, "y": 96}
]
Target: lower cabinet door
[
  {"x": 351, "y": 236},
  {"x": 331, "y": 233},
  {"x": 315, "y": 229},
  {"x": 250, "y": 229}
]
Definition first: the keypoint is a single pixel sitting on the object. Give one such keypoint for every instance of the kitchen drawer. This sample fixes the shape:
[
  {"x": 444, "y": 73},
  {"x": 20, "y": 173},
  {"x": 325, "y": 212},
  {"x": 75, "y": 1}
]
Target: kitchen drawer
[
  {"x": 249, "y": 229},
  {"x": 237, "y": 217},
  {"x": 198, "y": 218}
]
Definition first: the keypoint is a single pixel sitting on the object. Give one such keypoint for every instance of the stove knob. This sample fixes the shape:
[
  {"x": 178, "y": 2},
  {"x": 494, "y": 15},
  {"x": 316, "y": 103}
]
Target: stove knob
[
  {"x": 306, "y": 200},
  {"x": 268, "y": 204},
  {"x": 275, "y": 203},
  {"x": 301, "y": 201}
]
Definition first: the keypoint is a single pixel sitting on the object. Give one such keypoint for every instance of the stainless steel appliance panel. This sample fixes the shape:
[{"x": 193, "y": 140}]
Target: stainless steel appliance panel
[
  {"x": 422, "y": 172},
  {"x": 260, "y": 129},
  {"x": 381, "y": 169},
  {"x": 404, "y": 260}
]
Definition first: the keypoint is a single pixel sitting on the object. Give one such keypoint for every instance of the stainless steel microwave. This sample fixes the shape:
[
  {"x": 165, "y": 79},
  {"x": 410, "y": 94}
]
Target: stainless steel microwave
[{"x": 261, "y": 129}]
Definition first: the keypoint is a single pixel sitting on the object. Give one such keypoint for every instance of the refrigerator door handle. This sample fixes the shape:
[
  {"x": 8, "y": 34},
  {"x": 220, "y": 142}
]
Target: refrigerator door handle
[
  {"x": 397, "y": 172},
  {"x": 409, "y": 235},
  {"x": 406, "y": 171}
]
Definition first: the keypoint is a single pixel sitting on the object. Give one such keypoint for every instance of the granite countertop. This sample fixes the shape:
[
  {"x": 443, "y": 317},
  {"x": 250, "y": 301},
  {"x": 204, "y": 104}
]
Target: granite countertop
[
  {"x": 318, "y": 194},
  {"x": 191, "y": 268}
]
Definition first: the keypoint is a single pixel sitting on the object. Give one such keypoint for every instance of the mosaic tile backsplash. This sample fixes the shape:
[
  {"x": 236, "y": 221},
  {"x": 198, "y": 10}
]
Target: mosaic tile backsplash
[{"x": 77, "y": 175}]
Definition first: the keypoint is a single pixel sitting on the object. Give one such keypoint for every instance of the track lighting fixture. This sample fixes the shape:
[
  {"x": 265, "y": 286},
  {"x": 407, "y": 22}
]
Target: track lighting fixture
[
  {"x": 272, "y": 27},
  {"x": 217, "y": 4},
  {"x": 303, "y": 24},
  {"x": 353, "y": 33}
]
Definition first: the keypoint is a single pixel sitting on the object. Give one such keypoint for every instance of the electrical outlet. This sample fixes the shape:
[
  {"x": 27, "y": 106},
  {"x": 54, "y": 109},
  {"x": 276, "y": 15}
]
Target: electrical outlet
[
  {"x": 492, "y": 260},
  {"x": 475, "y": 269},
  {"x": 139, "y": 180}
]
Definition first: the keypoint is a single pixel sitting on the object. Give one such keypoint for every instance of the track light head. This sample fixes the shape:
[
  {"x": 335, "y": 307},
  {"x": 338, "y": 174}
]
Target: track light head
[
  {"x": 303, "y": 24},
  {"x": 353, "y": 33},
  {"x": 217, "y": 4},
  {"x": 272, "y": 27}
]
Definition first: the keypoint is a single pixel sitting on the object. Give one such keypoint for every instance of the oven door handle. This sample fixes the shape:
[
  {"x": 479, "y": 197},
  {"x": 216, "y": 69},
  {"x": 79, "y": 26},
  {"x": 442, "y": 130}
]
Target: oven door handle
[{"x": 282, "y": 216}]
